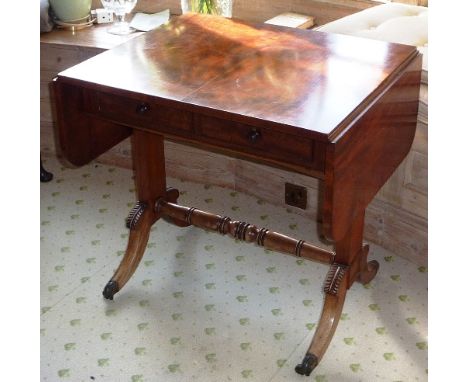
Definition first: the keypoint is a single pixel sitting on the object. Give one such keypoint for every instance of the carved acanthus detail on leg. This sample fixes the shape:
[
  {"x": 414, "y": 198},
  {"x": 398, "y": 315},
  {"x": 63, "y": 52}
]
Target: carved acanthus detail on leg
[
  {"x": 135, "y": 215},
  {"x": 334, "y": 278}
]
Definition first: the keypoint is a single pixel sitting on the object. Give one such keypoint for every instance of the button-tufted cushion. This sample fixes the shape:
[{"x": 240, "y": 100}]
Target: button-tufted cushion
[{"x": 393, "y": 22}]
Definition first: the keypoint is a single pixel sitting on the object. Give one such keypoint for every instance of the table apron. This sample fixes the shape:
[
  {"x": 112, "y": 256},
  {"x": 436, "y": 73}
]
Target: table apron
[{"x": 260, "y": 144}]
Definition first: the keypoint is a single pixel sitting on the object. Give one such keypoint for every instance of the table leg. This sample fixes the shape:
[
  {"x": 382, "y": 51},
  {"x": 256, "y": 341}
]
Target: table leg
[
  {"x": 350, "y": 265},
  {"x": 150, "y": 181},
  {"x": 335, "y": 293}
]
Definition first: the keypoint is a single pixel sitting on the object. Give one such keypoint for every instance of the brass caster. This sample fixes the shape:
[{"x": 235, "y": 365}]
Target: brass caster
[
  {"x": 308, "y": 364},
  {"x": 110, "y": 289}
]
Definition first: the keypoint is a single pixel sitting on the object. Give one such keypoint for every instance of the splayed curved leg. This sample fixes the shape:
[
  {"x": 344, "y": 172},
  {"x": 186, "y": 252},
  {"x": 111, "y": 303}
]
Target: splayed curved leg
[
  {"x": 135, "y": 249},
  {"x": 139, "y": 222},
  {"x": 350, "y": 265},
  {"x": 335, "y": 293},
  {"x": 150, "y": 181}
]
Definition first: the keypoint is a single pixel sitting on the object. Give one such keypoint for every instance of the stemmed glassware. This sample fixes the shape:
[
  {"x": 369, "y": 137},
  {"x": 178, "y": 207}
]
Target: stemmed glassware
[{"x": 120, "y": 8}]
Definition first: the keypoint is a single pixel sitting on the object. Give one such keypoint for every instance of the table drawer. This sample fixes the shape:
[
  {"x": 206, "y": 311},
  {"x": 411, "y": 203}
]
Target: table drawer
[
  {"x": 256, "y": 140},
  {"x": 143, "y": 113}
]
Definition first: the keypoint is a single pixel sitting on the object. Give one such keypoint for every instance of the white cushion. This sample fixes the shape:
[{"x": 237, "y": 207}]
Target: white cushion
[{"x": 392, "y": 22}]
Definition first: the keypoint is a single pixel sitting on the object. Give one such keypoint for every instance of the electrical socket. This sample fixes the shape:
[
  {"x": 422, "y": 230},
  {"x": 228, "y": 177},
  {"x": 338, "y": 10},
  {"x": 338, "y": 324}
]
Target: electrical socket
[
  {"x": 295, "y": 195},
  {"x": 103, "y": 16}
]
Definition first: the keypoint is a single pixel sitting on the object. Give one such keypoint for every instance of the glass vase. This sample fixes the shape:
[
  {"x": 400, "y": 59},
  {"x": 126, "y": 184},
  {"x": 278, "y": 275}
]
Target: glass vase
[{"x": 212, "y": 7}]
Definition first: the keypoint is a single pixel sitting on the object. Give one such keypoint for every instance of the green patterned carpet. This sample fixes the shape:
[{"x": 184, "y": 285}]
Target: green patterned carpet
[{"x": 202, "y": 307}]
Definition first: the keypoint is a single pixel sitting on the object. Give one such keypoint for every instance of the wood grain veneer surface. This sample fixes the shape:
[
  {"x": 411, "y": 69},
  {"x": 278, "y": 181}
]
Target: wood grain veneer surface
[{"x": 307, "y": 80}]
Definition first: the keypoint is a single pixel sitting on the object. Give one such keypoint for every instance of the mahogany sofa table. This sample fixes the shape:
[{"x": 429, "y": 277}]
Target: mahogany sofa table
[{"x": 338, "y": 108}]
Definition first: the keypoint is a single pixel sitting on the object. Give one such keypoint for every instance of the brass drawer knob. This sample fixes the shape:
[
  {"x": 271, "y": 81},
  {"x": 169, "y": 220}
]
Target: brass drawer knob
[{"x": 142, "y": 108}]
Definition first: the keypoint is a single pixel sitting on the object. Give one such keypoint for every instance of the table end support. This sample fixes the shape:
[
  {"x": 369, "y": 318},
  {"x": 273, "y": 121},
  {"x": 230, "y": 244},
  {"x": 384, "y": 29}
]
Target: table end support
[{"x": 139, "y": 222}]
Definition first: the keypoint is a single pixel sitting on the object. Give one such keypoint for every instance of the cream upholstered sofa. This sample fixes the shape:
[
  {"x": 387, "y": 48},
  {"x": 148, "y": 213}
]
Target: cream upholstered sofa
[{"x": 393, "y": 22}]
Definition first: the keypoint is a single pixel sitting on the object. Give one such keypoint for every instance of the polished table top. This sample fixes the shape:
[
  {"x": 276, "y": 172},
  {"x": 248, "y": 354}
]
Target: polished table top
[{"x": 308, "y": 82}]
